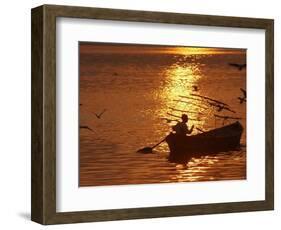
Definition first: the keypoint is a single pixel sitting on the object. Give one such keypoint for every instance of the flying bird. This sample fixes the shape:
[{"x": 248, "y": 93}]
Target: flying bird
[
  {"x": 244, "y": 92},
  {"x": 195, "y": 88},
  {"x": 86, "y": 127},
  {"x": 238, "y": 66},
  {"x": 221, "y": 107},
  {"x": 100, "y": 114},
  {"x": 168, "y": 120},
  {"x": 243, "y": 99}
]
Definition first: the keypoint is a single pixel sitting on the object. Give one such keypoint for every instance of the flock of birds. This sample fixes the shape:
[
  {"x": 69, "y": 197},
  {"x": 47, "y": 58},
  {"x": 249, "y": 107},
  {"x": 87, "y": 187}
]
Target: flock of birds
[
  {"x": 240, "y": 67},
  {"x": 218, "y": 105},
  {"x": 98, "y": 116}
]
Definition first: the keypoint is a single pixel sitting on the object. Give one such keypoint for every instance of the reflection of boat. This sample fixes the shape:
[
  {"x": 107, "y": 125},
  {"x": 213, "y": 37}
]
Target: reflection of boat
[{"x": 226, "y": 138}]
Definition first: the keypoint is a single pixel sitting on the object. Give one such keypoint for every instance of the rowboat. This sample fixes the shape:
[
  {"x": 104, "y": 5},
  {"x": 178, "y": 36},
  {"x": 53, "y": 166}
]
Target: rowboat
[{"x": 223, "y": 139}]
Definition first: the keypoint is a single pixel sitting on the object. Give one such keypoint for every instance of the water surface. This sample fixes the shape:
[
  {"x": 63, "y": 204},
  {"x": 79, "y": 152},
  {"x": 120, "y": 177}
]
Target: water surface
[{"x": 138, "y": 86}]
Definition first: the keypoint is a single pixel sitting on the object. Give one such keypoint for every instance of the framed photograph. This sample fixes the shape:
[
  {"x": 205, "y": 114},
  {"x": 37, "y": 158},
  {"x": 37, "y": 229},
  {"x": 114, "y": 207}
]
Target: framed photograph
[{"x": 141, "y": 114}]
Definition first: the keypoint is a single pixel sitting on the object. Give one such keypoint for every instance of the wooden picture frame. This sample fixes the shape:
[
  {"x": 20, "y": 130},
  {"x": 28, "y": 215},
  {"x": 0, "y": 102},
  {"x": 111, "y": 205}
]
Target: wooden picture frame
[{"x": 43, "y": 208}]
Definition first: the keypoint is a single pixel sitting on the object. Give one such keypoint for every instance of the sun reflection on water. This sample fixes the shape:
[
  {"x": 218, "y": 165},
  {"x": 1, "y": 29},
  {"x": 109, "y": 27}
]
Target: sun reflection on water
[
  {"x": 195, "y": 169},
  {"x": 139, "y": 87},
  {"x": 181, "y": 79}
]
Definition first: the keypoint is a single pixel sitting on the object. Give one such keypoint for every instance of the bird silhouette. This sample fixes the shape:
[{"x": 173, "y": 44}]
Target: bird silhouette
[
  {"x": 244, "y": 92},
  {"x": 100, "y": 114},
  {"x": 86, "y": 127},
  {"x": 195, "y": 88},
  {"x": 227, "y": 117},
  {"x": 168, "y": 120},
  {"x": 244, "y": 98},
  {"x": 238, "y": 66},
  {"x": 221, "y": 107}
]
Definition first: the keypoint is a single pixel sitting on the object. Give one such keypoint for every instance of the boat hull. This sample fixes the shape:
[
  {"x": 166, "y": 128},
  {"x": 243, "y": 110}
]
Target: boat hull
[{"x": 223, "y": 139}]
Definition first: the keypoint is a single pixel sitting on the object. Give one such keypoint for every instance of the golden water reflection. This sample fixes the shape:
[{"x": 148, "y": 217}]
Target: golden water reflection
[
  {"x": 143, "y": 90},
  {"x": 181, "y": 79},
  {"x": 207, "y": 168},
  {"x": 204, "y": 51}
]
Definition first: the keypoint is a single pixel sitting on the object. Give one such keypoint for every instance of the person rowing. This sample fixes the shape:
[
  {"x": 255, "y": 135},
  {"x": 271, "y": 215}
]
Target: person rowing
[{"x": 181, "y": 127}]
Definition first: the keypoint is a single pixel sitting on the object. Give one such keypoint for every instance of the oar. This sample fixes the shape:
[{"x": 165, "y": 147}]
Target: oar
[{"x": 149, "y": 149}]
